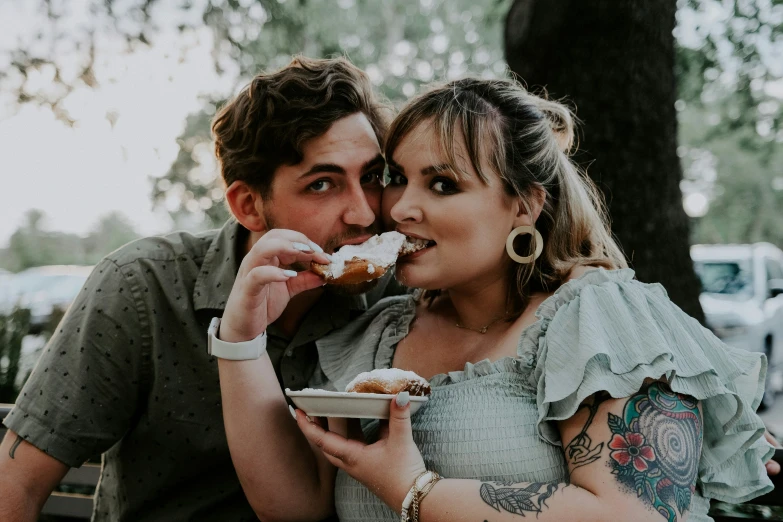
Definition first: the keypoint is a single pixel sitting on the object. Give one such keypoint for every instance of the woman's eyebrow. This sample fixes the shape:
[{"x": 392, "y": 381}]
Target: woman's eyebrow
[{"x": 436, "y": 169}]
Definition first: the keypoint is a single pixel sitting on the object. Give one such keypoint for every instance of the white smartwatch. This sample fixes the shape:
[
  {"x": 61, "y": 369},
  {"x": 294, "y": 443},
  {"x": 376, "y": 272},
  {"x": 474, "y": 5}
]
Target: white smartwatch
[{"x": 244, "y": 351}]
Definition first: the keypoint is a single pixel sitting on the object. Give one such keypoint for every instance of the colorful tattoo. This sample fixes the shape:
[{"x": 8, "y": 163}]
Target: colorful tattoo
[{"x": 655, "y": 448}]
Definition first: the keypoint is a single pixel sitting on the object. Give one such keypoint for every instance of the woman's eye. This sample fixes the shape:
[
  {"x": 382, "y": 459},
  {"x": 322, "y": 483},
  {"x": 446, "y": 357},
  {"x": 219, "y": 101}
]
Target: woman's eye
[
  {"x": 395, "y": 178},
  {"x": 322, "y": 185},
  {"x": 443, "y": 186}
]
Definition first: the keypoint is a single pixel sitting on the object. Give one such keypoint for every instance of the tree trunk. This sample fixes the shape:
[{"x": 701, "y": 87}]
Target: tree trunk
[{"x": 614, "y": 60}]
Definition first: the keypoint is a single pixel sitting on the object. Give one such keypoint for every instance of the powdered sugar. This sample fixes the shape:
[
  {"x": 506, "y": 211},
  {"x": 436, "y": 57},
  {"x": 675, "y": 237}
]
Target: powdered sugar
[
  {"x": 390, "y": 374},
  {"x": 380, "y": 251}
]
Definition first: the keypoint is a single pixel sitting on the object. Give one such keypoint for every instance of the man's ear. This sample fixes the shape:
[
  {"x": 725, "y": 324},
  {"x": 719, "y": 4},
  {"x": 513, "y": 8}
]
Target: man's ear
[
  {"x": 247, "y": 206},
  {"x": 530, "y": 207}
]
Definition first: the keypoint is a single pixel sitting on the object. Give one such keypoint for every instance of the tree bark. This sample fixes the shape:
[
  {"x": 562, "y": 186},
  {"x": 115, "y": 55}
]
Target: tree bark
[{"x": 614, "y": 61}]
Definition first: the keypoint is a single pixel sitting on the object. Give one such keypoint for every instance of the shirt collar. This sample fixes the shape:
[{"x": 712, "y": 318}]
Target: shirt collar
[{"x": 219, "y": 268}]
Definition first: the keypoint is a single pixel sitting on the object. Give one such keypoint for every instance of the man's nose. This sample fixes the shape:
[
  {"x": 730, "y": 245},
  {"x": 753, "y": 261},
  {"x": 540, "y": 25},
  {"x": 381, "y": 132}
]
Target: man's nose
[{"x": 359, "y": 211}]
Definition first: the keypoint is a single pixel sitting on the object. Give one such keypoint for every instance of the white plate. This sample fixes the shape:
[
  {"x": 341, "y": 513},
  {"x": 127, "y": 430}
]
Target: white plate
[{"x": 320, "y": 403}]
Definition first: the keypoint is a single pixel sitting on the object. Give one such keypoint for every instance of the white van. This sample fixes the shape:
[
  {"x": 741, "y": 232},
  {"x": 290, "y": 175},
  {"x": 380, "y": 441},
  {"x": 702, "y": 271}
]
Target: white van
[{"x": 742, "y": 299}]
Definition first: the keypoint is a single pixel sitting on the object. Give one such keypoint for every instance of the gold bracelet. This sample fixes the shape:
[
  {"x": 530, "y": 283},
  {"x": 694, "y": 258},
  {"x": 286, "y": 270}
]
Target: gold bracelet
[{"x": 421, "y": 486}]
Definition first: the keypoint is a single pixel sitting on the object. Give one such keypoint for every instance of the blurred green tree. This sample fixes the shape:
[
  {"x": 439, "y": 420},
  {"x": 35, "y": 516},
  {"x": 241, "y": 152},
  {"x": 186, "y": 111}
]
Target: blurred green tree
[
  {"x": 13, "y": 327},
  {"x": 33, "y": 245}
]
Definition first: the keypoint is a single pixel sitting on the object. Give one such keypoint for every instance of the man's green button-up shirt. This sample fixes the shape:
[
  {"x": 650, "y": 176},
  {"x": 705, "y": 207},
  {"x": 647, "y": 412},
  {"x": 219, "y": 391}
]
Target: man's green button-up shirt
[{"x": 127, "y": 375}]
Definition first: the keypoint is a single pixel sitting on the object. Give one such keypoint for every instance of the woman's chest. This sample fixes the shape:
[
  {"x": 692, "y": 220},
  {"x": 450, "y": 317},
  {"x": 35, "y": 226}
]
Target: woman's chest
[
  {"x": 428, "y": 353},
  {"x": 486, "y": 429}
]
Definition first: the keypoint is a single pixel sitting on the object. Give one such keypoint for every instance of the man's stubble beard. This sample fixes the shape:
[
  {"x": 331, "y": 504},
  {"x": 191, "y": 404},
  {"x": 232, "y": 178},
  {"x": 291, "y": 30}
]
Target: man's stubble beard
[{"x": 329, "y": 247}]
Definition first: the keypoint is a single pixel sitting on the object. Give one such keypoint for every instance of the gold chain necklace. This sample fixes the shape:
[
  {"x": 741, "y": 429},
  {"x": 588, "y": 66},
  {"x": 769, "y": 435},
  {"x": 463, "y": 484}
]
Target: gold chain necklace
[{"x": 483, "y": 329}]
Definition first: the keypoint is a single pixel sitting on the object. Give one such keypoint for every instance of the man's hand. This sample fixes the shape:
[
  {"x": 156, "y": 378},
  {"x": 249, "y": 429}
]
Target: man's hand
[{"x": 263, "y": 287}]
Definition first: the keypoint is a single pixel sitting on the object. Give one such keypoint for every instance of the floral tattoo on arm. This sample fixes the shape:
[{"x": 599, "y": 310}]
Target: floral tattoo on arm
[{"x": 654, "y": 449}]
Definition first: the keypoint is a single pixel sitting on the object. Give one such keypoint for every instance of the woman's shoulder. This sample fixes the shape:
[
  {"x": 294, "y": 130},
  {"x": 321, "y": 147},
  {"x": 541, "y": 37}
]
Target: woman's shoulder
[
  {"x": 606, "y": 331},
  {"x": 364, "y": 343}
]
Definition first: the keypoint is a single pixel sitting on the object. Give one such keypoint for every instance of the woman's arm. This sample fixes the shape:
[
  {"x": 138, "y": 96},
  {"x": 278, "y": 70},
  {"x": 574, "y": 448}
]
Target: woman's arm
[
  {"x": 282, "y": 476},
  {"x": 275, "y": 464},
  {"x": 629, "y": 459}
]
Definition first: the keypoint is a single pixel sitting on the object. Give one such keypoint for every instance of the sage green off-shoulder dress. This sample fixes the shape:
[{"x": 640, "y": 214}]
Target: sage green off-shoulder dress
[{"x": 495, "y": 421}]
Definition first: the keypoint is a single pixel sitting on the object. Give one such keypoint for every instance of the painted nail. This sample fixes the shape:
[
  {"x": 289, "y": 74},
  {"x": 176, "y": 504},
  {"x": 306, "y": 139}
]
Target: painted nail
[
  {"x": 293, "y": 412},
  {"x": 289, "y": 273},
  {"x": 403, "y": 398},
  {"x": 302, "y": 247},
  {"x": 316, "y": 247}
]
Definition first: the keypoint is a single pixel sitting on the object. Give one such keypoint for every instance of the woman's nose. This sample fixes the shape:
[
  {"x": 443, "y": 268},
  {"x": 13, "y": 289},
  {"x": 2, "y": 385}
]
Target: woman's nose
[{"x": 406, "y": 209}]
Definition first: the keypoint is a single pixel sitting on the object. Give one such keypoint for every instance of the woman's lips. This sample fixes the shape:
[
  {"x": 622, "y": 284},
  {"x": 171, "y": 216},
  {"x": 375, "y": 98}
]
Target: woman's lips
[{"x": 415, "y": 254}]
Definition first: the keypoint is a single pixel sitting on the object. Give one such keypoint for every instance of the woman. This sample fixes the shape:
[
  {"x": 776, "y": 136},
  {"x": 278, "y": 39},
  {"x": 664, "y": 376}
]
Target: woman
[{"x": 561, "y": 386}]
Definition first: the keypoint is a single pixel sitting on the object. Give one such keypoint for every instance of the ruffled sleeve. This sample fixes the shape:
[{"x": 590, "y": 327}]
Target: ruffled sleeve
[
  {"x": 364, "y": 344},
  {"x": 608, "y": 332}
]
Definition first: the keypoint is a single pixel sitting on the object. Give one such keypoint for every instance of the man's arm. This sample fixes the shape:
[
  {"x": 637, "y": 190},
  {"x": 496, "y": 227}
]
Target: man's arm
[{"x": 27, "y": 477}]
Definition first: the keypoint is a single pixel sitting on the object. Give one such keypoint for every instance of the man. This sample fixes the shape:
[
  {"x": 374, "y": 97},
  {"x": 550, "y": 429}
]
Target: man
[{"x": 127, "y": 374}]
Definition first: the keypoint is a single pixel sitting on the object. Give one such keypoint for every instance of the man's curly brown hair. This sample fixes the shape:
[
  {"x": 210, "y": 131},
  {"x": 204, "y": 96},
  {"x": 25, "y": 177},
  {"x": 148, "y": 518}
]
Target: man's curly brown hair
[{"x": 269, "y": 121}]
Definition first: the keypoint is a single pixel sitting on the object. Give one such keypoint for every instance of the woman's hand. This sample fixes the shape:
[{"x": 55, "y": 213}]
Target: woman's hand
[
  {"x": 263, "y": 287},
  {"x": 388, "y": 467}
]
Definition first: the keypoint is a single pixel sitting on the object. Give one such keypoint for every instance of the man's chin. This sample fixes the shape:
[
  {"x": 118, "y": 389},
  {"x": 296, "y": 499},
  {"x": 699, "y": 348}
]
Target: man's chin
[{"x": 357, "y": 289}]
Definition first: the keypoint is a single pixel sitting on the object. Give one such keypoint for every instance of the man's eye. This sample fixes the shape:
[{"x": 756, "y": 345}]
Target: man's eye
[
  {"x": 443, "y": 186},
  {"x": 322, "y": 185},
  {"x": 395, "y": 178},
  {"x": 371, "y": 177}
]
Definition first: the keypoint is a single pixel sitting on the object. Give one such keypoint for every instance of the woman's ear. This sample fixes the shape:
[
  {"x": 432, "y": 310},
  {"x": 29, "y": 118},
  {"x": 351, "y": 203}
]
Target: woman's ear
[
  {"x": 530, "y": 207},
  {"x": 247, "y": 206}
]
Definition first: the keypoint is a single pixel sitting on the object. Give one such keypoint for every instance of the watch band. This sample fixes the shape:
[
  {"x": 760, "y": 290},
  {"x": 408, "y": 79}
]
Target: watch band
[{"x": 242, "y": 351}]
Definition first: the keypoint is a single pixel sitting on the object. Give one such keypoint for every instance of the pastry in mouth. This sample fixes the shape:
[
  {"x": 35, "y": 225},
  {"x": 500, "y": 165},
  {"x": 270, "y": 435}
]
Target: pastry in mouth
[
  {"x": 353, "y": 264},
  {"x": 390, "y": 381}
]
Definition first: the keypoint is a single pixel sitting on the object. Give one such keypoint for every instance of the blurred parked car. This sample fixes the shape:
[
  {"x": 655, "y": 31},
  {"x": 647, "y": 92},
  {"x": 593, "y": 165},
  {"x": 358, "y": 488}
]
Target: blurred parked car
[
  {"x": 742, "y": 299},
  {"x": 42, "y": 289}
]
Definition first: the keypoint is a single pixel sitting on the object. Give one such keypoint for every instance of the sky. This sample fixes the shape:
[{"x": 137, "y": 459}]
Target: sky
[{"x": 78, "y": 174}]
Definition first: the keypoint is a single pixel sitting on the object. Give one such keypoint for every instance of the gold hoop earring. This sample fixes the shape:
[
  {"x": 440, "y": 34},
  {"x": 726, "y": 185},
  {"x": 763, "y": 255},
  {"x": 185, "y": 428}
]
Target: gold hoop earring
[{"x": 524, "y": 229}]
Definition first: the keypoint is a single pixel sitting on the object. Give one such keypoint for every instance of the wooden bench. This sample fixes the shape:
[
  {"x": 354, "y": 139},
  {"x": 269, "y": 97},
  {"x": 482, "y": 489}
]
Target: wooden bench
[{"x": 79, "y": 505}]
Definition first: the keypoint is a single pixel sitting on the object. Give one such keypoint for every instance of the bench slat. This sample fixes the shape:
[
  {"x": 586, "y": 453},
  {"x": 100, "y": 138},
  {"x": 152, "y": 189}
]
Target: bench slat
[
  {"x": 87, "y": 475},
  {"x": 68, "y": 505}
]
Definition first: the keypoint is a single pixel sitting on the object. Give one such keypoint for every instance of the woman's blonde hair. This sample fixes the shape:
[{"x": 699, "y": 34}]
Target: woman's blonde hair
[{"x": 527, "y": 140}]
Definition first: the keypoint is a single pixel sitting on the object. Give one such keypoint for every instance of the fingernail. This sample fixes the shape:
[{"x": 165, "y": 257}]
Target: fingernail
[
  {"x": 293, "y": 412},
  {"x": 289, "y": 273},
  {"x": 403, "y": 398},
  {"x": 302, "y": 247},
  {"x": 308, "y": 419},
  {"x": 316, "y": 247}
]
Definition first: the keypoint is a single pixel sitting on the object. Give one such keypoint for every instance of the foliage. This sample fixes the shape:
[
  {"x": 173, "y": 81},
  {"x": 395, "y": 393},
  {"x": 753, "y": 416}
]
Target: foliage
[
  {"x": 731, "y": 84},
  {"x": 31, "y": 245},
  {"x": 730, "y": 81},
  {"x": 13, "y": 328}
]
